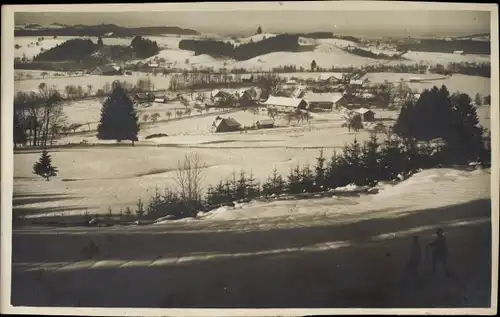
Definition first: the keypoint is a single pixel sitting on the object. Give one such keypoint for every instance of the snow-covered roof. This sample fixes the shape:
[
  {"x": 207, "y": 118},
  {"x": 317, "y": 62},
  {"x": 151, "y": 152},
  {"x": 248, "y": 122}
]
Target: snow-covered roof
[
  {"x": 367, "y": 95},
  {"x": 357, "y": 82},
  {"x": 265, "y": 122},
  {"x": 328, "y": 77},
  {"x": 284, "y": 101},
  {"x": 153, "y": 65},
  {"x": 246, "y": 76},
  {"x": 323, "y": 97},
  {"x": 458, "y": 52},
  {"x": 362, "y": 110},
  {"x": 107, "y": 68},
  {"x": 230, "y": 122},
  {"x": 218, "y": 93}
]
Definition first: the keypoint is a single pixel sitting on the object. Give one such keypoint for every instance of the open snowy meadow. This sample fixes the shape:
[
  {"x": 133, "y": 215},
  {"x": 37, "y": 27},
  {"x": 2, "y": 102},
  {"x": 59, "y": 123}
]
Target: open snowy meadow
[{"x": 86, "y": 236}]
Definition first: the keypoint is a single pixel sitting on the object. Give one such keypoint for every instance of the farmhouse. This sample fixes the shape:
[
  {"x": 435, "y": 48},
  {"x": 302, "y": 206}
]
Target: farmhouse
[
  {"x": 286, "y": 104},
  {"x": 160, "y": 99},
  {"x": 415, "y": 79},
  {"x": 357, "y": 83},
  {"x": 143, "y": 97},
  {"x": 225, "y": 125},
  {"x": 106, "y": 70},
  {"x": 329, "y": 78},
  {"x": 322, "y": 101},
  {"x": 366, "y": 114},
  {"x": 246, "y": 77},
  {"x": 264, "y": 124},
  {"x": 298, "y": 92},
  {"x": 459, "y": 52},
  {"x": 216, "y": 93}
]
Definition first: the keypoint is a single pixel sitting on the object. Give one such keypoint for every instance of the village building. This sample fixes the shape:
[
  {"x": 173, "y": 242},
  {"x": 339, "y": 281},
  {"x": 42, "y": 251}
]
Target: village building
[
  {"x": 225, "y": 125},
  {"x": 356, "y": 83},
  {"x": 106, "y": 70},
  {"x": 329, "y": 78},
  {"x": 264, "y": 124},
  {"x": 298, "y": 92},
  {"x": 160, "y": 99},
  {"x": 286, "y": 104},
  {"x": 322, "y": 101},
  {"x": 366, "y": 114},
  {"x": 246, "y": 78},
  {"x": 216, "y": 93},
  {"x": 144, "y": 97},
  {"x": 415, "y": 79}
]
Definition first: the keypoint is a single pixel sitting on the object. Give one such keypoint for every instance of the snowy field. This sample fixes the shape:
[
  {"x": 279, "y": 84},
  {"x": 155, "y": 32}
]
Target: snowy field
[
  {"x": 463, "y": 83},
  {"x": 99, "y": 181},
  {"x": 457, "y": 82},
  {"x": 160, "y": 82},
  {"x": 347, "y": 252},
  {"x": 29, "y": 48},
  {"x": 327, "y": 53}
]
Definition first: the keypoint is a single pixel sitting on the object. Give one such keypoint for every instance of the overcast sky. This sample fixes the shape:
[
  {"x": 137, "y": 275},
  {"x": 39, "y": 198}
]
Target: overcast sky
[{"x": 395, "y": 23}]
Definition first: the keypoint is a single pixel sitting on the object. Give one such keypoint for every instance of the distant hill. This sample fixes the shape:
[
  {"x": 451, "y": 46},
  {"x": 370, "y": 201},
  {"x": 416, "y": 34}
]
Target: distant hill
[{"x": 100, "y": 30}]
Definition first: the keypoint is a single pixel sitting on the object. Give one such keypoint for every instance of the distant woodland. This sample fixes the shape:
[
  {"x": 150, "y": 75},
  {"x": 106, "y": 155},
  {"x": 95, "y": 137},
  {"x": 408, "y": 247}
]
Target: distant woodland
[
  {"x": 280, "y": 43},
  {"x": 444, "y": 46}
]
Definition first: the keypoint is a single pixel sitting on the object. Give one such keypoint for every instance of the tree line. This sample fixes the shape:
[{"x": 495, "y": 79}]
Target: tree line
[
  {"x": 38, "y": 117},
  {"x": 73, "y": 49},
  {"x": 445, "y": 46},
  {"x": 279, "y": 43},
  {"x": 86, "y": 49},
  {"x": 464, "y": 68}
]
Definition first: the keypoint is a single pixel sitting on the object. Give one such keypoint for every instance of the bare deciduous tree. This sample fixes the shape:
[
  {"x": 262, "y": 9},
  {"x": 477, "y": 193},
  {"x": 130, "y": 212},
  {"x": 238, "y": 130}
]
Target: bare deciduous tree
[{"x": 189, "y": 178}]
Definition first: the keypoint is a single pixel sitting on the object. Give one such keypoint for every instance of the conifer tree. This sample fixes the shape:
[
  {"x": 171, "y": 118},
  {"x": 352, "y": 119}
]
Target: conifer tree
[
  {"x": 352, "y": 155},
  {"x": 478, "y": 100},
  {"x": 274, "y": 184},
  {"x": 44, "y": 166},
  {"x": 371, "y": 164},
  {"x": 253, "y": 188},
  {"x": 306, "y": 179},
  {"x": 119, "y": 119},
  {"x": 320, "y": 170},
  {"x": 391, "y": 159},
  {"x": 466, "y": 137},
  {"x": 294, "y": 185}
]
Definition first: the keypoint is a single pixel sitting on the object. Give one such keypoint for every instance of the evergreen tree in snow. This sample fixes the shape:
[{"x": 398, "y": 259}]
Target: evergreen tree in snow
[
  {"x": 319, "y": 177},
  {"x": 370, "y": 161},
  {"x": 259, "y": 30},
  {"x": 44, "y": 166},
  {"x": 478, "y": 100},
  {"x": 466, "y": 137},
  {"x": 119, "y": 119},
  {"x": 313, "y": 65},
  {"x": 353, "y": 158}
]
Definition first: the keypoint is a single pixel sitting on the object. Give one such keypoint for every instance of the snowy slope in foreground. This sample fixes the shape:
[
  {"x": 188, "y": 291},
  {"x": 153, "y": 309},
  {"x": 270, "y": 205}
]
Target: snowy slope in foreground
[{"x": 428, "y": 189}]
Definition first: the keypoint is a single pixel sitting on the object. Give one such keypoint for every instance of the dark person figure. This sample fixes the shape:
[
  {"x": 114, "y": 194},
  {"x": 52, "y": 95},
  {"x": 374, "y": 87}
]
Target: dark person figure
[
  {"x": 414, "y": 260},
  {"x": 439, "y": 252}
]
